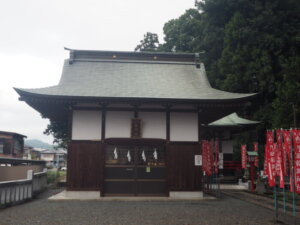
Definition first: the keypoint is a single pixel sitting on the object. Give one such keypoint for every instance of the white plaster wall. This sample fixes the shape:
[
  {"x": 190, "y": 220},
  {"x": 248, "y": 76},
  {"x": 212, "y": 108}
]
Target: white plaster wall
[
  {"x": 183, "y": 126},
  {"x": 227, "y": 146},
  {"x": 153, "y": 124},
  {"x": 86, "y": 125},
  {"x": 118, "y": 124}
]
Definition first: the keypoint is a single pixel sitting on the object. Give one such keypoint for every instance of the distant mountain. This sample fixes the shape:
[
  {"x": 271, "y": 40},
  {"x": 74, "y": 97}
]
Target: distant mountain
[{"x": 38, "y": 144}]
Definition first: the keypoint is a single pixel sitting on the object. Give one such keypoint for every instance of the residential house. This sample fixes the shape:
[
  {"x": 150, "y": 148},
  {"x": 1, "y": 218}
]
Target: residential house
[
  {"x": 11, "y": 144},
  {"x": 54, "y": 157}
]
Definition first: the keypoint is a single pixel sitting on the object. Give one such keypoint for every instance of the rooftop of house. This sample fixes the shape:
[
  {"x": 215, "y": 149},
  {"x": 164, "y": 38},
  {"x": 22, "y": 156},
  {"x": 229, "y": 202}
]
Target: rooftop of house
[
  {"x": 12, "y": 134},
  {"x": 54, "y": 151},
  {"x": 133, "y": 75}
]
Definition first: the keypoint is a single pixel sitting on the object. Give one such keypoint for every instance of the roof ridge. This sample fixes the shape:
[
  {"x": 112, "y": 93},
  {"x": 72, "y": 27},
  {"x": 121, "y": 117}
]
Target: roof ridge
[
  {"x": 133, "y": 52},
  {"x": 135, "y": 61},
  {"x": 137, "y": 56}
]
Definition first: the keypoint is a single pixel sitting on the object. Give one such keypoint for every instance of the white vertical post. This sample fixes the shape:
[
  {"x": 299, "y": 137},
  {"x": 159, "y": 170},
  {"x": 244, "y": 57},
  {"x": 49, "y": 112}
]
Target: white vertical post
[
  {"x": 29, "y": 174},
  {"x": 29, "y": 188}
]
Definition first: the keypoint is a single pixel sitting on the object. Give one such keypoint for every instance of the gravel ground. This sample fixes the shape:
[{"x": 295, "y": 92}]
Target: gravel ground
[{"x": 223, "y": 211}]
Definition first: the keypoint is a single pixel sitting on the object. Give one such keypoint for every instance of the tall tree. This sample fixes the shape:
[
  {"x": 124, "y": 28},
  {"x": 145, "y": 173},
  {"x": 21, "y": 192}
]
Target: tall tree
[
  {"x": 257, "y": 50},
  {"x": 183, "y": 34},
  {"x": 150, "y": 43}
]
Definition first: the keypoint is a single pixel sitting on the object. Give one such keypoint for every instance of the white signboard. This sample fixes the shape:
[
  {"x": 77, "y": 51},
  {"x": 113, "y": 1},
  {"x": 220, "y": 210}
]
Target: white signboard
[
  {"x": 198, "y": 160},
  {"x": 221, "y": 156},
  {"x": 221, "y": 162}
]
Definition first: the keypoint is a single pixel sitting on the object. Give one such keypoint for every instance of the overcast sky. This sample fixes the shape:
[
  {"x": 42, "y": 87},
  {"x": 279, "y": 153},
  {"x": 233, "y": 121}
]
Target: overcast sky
[{"x": 34, "y": 32}]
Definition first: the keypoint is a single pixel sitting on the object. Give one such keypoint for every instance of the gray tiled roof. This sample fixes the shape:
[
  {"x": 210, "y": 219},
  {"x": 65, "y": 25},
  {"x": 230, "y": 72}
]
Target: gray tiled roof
[
  {"x": 233, "y": 120},
  {"x": 135, "y": 79}
]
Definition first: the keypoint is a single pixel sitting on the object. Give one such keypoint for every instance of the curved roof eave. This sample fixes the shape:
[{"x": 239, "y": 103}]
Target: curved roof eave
[{"x": 30, "y": 93}]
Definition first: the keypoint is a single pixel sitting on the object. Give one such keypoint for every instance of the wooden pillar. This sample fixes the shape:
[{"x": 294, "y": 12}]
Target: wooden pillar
[
  {"x": 168, "y": 123},
  {"x": 102, "y": 149},
  {"x": 103, "y": 122},
  {"x": 136, "y": 112},
  {"x": 70, "y": 123},
  {"x": 199, "y": 124}
]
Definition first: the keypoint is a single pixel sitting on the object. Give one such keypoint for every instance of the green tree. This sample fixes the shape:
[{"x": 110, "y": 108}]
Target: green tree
[
  {"x": 287, "y": 102},
  {"x": 183, "y": 34},
  {"x": 256, "y": 56},
  {"x": 150, "y": 43},
  {"x": 59, "y": 130}
]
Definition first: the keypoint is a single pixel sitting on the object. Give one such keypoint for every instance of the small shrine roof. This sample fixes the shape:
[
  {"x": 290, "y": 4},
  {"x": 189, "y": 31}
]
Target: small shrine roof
[{"x": 232, "y": 120}]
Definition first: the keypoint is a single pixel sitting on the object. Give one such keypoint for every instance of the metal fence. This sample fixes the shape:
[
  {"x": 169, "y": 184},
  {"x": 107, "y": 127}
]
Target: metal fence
[
  {"x": 17, "y": 191},
  {"x": 211, "y": 185}
]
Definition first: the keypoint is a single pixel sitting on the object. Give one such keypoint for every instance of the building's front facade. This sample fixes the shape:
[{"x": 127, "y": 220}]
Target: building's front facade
[
  {"x": 54, "y": 158},
  {"x": 134, "y": 120}
]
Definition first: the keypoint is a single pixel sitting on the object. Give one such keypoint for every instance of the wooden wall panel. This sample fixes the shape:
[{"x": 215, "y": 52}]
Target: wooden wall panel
[
  {"x": 85, "y": 165},
  {"x": 183, "y": 175}
]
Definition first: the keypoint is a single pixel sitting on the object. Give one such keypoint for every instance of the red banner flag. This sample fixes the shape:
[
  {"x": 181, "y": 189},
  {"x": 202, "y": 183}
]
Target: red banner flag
[
  {"x": 244, "y": 156},
  {"x": 270, "y": 154},
  {"x": 217, "y": 156},
  {"x": 204, "y": 156},
  {"x": 285, "y": 161},
  {"x": 255, "y": 146},
  {"x": 278, "y": 165},
  {"x": 287, "y": 149},
  {"x": 210, "y": 158},
  {"x": 266, "y": 160},
  {"x": 281, "y": 156},
  {"x": 272, "y": 164},
  {"x": 287, "y": 142},
  {"x": 279, "y": 136},
  {"x": 207, "y": 157},
  {"x": 270, "y": 137},
  {"x": 296, "y": 142}
]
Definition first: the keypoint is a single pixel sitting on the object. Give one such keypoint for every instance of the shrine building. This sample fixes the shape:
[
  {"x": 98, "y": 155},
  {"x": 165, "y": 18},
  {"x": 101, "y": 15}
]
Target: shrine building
[{"x": 134, "y": 120}]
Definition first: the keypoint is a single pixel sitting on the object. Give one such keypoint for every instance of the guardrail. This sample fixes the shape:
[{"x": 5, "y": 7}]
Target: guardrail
[{"x": 17, "y": 191}]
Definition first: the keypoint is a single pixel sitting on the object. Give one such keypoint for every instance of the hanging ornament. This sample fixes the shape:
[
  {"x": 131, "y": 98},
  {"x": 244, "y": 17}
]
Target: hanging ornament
[
  {"x": 143, "y": 156},
  {"x": 128, "y": 156},
  {"x": 155, "y": 154},
  {"x": 115, "y": 154}
]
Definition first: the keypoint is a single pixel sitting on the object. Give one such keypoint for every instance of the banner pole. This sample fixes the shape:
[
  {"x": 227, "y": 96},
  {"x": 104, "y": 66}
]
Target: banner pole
[
  {"x": 275, "y": 202},
  {"x": 293, "y": 180},
  {"x": 275, "y": 192},
  {"x": 284, "y": 200},
  {"x": 283, "y": 158}
]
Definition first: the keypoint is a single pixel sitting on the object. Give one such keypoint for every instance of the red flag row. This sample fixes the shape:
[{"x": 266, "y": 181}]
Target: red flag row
[{"x": 278, "y": 157}]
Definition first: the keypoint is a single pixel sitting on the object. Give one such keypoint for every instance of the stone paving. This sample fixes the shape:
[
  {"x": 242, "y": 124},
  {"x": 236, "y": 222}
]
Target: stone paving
[{"x": 226, "y": 210}]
